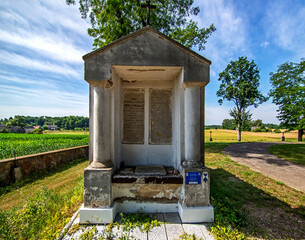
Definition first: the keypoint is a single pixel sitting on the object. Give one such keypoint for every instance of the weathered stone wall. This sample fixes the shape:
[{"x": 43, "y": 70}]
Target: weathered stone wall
[{"x": 39, "y": 162}]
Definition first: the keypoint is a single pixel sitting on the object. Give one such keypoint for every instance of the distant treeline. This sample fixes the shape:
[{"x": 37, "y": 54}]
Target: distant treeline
[
  {"x": 68, "y": 122},
  {"x": 254, "y": 125}
]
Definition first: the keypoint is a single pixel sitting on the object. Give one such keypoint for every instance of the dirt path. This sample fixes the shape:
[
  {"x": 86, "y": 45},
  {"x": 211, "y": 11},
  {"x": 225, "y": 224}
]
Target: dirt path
[{"x": 256, "y": 156}]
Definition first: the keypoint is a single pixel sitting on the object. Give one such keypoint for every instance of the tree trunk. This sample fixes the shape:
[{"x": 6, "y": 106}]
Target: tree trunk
[
  {"x": 300, "y": 135},
  {"x": 239, "y": 131}
]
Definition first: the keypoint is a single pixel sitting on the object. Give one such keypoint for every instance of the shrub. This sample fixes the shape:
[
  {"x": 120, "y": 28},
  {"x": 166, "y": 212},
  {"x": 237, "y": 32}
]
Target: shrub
[
  {"x": 4, "y": 130},
  {"x": 277, "y": 131},
  {"x": 36, "y": 131},
  {"x": 263, "y": 130},
  {"x": 255, "y": 130}
]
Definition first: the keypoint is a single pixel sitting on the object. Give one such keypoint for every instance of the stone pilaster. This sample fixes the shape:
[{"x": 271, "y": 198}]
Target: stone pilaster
[
  {"x": 101, "y": 128},
  {"x": 196, "y": 185},
  {"x": 192, "y": 127},
  {"x": 97, "y": 177}
]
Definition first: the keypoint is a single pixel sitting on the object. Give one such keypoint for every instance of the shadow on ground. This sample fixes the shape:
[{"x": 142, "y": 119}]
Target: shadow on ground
[{"x": 253, "y": 211}]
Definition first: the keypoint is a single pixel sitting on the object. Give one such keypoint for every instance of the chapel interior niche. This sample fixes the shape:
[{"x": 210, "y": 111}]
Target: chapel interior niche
[{"x": 147, "y": 102}]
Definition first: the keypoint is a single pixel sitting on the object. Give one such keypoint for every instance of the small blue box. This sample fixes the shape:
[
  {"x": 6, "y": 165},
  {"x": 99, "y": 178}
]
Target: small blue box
[{"x": 193, "y": 178}]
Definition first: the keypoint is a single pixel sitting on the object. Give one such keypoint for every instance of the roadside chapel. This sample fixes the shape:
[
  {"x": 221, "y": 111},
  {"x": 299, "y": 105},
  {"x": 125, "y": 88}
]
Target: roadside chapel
[{"x": 146, "y": 130}]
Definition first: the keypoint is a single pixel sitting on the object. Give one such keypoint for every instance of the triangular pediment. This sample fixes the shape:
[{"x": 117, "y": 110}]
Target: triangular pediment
[{"x": 145, "y": 47}]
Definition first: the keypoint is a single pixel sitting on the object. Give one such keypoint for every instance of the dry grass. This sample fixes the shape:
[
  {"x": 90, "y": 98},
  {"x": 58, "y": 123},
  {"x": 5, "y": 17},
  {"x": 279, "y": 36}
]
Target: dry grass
[{"x": 223, "y": 135}]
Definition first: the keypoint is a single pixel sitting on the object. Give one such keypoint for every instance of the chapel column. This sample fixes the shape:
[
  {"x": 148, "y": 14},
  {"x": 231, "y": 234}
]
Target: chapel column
[
  {"x": 194, "y": 204},
  {"x": 193, "y": 127},
  {"x": 101, "y": 127},
  {"x": 97, "y": 176}
]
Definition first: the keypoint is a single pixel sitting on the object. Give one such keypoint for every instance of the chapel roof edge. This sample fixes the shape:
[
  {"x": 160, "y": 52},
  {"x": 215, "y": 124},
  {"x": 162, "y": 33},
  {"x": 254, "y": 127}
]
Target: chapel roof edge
[{"x": 139, "y": 32}]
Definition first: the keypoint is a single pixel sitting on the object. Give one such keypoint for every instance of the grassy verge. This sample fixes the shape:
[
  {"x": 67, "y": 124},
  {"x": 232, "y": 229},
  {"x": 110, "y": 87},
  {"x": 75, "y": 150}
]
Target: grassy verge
[
  {"x": 290, "y": 152},
  {"x": 61, "y": 180},
  {"x": 249, "y": 204},
  {"x": 41, "y": 208}
]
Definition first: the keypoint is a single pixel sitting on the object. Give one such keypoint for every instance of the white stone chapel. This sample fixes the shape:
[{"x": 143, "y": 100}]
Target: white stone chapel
[{"x": 146, "y": 130}]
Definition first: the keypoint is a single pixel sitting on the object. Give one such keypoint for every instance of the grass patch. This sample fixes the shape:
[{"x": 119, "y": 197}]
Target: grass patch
[
  {"x": 61, "y": 180},
  {"x": 249, "y": 204},
  {"x": 290, "y": 152},
  {"x": 41, "y": 208},
  {"x": 42, "y": 216},
  {"x": 39, "y": 176}
]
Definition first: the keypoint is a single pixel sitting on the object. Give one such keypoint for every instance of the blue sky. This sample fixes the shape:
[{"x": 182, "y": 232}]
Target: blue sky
[{"x": 42, "y": 44}]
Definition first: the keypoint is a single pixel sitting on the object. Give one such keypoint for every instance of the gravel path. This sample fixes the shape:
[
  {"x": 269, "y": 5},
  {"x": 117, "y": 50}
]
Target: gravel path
[{"x": 256, "y": 156}]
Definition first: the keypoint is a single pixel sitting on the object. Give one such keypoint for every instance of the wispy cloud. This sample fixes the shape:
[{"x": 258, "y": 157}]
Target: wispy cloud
[
  {"x": 48, "y": 44},
  {"x": 284, "y": 25},
  {"x": 231, "y": 35},
  {"x": 43, "y": 96},
  {"x": 31, "y": 64}
]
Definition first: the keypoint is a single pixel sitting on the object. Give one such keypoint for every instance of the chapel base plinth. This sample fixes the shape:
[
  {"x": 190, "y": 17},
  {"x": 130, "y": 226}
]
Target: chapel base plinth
[
  {"x": 89, "y": 215},
  {"x": 97, "y": 187},
  {"x": 194, "y": 205},
  {"x": 196, "y": 187},
  {"x": 196, "y": 214}
]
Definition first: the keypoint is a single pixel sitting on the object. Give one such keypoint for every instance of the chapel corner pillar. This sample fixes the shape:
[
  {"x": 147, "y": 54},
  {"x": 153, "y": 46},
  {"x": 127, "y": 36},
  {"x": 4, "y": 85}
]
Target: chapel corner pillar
[
  {"x": 196, "y": 183},
  {"x": 193, "y": 127},
  {"x": 101, "y": 128},
  {"x": 97, "y": 176}
]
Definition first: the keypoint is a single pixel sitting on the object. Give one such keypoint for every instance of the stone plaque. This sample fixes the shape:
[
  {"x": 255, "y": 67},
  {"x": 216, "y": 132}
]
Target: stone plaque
[
  {"x": 133, "y": 116},
  {"x": 160, "y": 116}
]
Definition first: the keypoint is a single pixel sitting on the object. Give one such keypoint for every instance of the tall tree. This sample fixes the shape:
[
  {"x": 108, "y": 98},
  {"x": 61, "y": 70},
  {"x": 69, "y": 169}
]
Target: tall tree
[
  {"x": 112, "y": 19},
  {"x": 288, "y": 92},
  {"x": 239, "y": 84}
]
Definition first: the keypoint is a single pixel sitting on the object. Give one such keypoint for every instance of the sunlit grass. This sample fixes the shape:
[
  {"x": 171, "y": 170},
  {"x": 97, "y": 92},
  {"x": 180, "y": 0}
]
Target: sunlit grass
[
  {"x": 290, "y": 152},
  {"x": 223, "y": 135}
]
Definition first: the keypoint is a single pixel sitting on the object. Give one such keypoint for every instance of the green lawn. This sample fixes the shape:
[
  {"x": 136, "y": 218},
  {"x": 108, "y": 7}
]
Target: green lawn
[{"x": 290, "y": 152}]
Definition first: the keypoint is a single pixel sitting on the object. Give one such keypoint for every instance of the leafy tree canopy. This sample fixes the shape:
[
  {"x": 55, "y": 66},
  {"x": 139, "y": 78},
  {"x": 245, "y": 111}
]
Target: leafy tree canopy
[
  {"x": 239, "y": 84},
  {"x": 112, "y": 19},
  {"x": 288, "y": 92}
]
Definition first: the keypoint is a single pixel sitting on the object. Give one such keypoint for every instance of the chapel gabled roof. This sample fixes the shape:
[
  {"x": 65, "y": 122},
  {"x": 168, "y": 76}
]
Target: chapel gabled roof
[{"x": 139, "y": 32}]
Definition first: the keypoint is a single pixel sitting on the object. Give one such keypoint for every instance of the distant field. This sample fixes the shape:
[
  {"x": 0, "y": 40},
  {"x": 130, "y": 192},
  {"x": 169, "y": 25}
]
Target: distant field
[
  {"x": 25, "y": 144},
  {"x": 223, "y": 135},
  {"x": 71, "y": 132}
]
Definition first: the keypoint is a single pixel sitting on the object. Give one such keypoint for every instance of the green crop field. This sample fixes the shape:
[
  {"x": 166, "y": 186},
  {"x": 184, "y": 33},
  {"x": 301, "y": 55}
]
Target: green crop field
[{"x": 12, "y": 145}]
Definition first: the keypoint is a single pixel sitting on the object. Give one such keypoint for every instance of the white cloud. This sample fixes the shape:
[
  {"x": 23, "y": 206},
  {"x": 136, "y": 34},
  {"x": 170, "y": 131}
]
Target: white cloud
[
  {"x": 265, "y": 44},
  {"x": 267, "y": 112},
  {"x": 31, "y": 64},
  {"x": 49, "y": 44},
  {"x": 284, "y": 25},
  {"x": 230, "y": 36},
  {"x": 216, "y": 114},
  {"x": 41, "y": 101}
]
